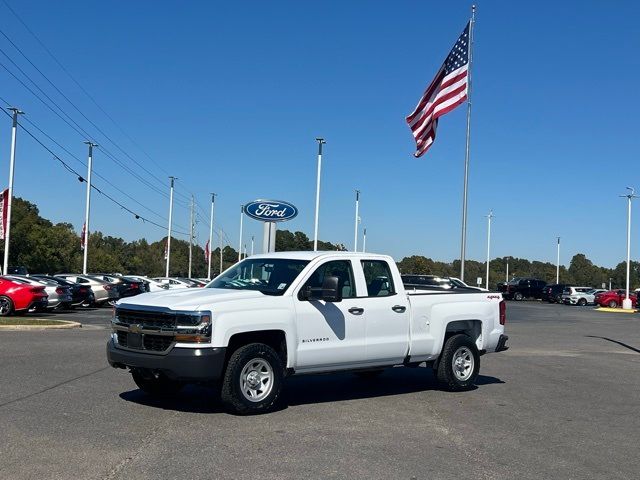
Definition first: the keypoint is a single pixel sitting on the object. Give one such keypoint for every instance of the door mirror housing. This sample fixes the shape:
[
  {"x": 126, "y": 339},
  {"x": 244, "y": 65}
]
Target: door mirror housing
[{"x": 331, "y": 291}]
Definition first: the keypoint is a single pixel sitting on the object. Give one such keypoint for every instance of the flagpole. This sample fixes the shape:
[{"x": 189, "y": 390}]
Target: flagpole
[
  {"x": 315, "y": 228},
  {"x": 463, "y": 246},
  {"x": 355, "y": 228},
  {"x": 88, "y": 208},
  {"x": 213, "y": 200},
  {"x": 172, "y": 179},
  {"x": 9, "y": 200}
]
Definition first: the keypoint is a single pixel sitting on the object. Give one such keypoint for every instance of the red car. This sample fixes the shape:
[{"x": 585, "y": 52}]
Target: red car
[
  {"x": 614, "y": 298},
  {"x": 20, "y": 297}
]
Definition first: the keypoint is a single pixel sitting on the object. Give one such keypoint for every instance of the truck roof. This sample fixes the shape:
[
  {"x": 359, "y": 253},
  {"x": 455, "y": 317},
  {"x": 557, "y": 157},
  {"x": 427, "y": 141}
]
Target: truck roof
[{"x": 307, "y": 255}]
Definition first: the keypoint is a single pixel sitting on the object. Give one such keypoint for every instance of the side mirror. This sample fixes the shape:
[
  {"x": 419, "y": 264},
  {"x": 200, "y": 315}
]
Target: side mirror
[{"x": 330, "y": 290}]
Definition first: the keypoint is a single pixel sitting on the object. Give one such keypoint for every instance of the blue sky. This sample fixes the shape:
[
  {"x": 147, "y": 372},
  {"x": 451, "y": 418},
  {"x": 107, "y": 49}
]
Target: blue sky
[{"x": 229, "y": 97}]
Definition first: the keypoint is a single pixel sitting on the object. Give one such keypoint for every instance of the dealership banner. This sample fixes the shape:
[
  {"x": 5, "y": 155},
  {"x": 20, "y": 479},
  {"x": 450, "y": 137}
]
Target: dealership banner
[{"x": 4, "y": 204}]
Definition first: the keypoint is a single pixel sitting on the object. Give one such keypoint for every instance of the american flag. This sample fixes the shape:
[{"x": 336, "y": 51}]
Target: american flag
[{"x": 447, "y": 90}]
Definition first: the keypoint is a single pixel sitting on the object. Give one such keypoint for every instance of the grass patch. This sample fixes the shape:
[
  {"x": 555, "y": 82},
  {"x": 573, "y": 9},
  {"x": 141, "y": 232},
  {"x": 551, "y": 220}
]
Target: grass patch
[{"x": 30, "y": 321}]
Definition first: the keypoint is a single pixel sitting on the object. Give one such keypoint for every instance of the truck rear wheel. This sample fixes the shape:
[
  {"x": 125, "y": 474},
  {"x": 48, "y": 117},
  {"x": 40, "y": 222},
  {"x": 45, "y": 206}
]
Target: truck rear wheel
[
  {"x": 252, "y": 380},
  {"x": 518, "y": 296},
  {"x": 156, "y": 385},
  {"x": 459, "y": 363}
]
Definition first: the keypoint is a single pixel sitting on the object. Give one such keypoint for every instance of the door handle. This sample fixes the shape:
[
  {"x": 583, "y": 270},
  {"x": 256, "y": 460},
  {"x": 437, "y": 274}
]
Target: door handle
[
  {"x": 398, "y": 308},
  {"x": 356, "y": 310}
]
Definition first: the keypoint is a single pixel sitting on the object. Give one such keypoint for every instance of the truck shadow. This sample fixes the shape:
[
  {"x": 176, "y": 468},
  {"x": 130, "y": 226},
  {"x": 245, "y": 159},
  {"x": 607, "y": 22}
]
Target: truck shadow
[{"x": 309, "y": 389}]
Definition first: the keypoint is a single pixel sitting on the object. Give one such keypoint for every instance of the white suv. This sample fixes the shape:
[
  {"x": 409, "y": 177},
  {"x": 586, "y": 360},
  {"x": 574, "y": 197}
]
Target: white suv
[{"x": 580, "y": 295}]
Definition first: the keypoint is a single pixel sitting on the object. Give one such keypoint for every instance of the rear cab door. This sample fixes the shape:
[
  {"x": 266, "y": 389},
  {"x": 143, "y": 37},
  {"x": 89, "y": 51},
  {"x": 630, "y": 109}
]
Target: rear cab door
[{"x": 387, "y": 312}]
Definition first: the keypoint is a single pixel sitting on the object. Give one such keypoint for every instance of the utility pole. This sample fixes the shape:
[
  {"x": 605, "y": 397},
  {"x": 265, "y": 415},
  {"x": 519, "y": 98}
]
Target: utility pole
[
  {"x": 364, "y": 241},
  {"x": 213, "y": 199},
  {"x": 221, "y": 235},
  {"x": 191, "y": 236},
  {"x": 240, "y": 240},
  {"x": 627, "y": 304},
  {"x": 12, "y": 161},
  {"x": 355, "y": 234},
  {"x": 315, "y": 228},
  {"x": 558, "y": 263},
  {"x": 172, "y": 179},
  {"x": 489, "y": 217},
  {"x": 88, "y": 207}
]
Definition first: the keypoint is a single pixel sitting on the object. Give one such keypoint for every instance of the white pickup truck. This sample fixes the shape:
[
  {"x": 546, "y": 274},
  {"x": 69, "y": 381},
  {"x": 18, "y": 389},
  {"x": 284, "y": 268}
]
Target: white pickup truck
[{"x": 292, "y": 313}]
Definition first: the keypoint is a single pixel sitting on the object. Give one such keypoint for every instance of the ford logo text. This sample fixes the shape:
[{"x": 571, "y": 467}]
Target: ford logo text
[{"x": 270, "y": 210}]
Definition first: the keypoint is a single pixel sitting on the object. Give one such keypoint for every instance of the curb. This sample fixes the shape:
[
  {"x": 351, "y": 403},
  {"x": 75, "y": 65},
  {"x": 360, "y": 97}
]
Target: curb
[
  {"x": 65, "y": 324},
  {"x": 615, "y": 310}
]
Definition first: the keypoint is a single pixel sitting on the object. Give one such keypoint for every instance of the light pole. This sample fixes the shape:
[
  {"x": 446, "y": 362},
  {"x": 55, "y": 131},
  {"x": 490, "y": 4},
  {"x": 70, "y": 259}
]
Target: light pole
[
  {"x": 12, "y": 161},
  {"x": 610, "y": 283},
  {"x": 251, "y": 244},
  {"x": 172, "y": 179},
  {"x": 627, "y": 303},
  {"x": 558, "y": 263},
  {"x": 507, "y": 275},
  {"x": 240, "y": 241},
  {"x": 213, "y": 200},
  {"x": 85, "y": 258},
  {"x": 321, "y": 142},
  {"x": 489, "y": 217},
  {"x": 364, "y": 241},
  {"x": 355, "y": 234}
]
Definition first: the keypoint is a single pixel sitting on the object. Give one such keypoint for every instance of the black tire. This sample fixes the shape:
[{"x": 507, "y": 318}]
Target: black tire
[
  {"x": 612, "y": 304},
  {"x": 518, "y": 296},
  {"x": 450, "y": 377},
  {"x": 369, "y": 374},
  {"x": 559, "y": 299},
  {"x": 156, "y": 386},
  {"x": 582, "y": 302},
  {"x": 6, "y": 306},
  {"x": 267, "y": 365}
]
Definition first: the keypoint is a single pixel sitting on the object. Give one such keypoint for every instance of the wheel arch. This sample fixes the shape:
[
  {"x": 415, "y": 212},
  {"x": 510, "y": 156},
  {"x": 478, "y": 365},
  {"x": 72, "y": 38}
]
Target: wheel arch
[{"x": 275, "y": 338}]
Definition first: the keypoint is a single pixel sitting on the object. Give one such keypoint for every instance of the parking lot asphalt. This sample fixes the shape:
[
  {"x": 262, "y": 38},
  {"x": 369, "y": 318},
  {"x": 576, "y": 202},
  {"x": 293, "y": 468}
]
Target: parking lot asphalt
[{"x": 561, "y": 403}]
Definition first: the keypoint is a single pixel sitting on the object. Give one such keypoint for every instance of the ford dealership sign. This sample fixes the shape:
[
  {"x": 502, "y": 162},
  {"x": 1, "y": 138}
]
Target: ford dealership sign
[{"x": 270, "y": 210}]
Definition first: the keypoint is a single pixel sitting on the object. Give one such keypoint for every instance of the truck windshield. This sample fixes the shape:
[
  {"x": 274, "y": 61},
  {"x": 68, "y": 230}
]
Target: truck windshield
[{"x": 270, "y": 276}]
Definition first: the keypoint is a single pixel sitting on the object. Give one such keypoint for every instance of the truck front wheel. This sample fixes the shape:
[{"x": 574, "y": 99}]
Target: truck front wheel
[
  {"x": 459, "y": 363},
  {"x": 253, "y": 379},
  {"x": 155, "y": 384}
]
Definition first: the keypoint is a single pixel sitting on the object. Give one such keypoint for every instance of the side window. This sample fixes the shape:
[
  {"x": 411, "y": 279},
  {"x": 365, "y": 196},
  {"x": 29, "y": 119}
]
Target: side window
[
  {"x": 339, "y": 268},
  {"x": 82, "y": 280},
  {"x": 378, "y": 278}
]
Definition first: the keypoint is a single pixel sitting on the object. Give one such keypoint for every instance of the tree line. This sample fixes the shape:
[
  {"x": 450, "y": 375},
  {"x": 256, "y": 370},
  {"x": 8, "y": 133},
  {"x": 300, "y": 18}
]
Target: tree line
[{"x": 45, "y": 247}]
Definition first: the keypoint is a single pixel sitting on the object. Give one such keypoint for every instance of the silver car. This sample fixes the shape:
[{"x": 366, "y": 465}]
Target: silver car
[
  {"x": 103, "y": 292},
  {"x": 59, "y": 296}
]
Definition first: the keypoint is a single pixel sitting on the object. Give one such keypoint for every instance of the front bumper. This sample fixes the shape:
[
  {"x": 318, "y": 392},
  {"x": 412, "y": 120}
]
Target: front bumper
[
  {"x": 185, "y": 364},
  {"x": 502, "y": 344}
]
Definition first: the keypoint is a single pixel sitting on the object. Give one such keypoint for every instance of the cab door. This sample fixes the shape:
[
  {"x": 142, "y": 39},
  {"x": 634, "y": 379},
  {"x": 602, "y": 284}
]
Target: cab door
[
  {"x": 330, "y": 334},
  {"x": 387, "y": 314}
]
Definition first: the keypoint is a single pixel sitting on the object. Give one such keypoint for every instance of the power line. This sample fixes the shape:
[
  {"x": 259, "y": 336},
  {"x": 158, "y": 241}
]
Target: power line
[
  {"x": 81, "y": 178},
  {"x": 93, "y": 100}
]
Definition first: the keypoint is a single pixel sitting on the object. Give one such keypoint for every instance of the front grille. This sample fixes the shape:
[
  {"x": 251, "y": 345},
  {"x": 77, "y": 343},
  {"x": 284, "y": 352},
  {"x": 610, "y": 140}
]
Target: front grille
[
  {"x": 155, "y": 343},
  {"x": 155, "y": 320}
]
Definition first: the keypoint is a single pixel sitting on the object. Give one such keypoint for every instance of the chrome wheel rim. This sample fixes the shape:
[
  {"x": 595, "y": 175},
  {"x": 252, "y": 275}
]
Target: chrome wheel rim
[
  {"x": 5, "y": 306},
  {"x": 463, "y": 363},
  {"x": 256, "y": 380}
]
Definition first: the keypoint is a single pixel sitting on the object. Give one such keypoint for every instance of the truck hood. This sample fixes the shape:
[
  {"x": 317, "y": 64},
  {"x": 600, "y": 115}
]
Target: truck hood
[{"x": 189, "y": 298}]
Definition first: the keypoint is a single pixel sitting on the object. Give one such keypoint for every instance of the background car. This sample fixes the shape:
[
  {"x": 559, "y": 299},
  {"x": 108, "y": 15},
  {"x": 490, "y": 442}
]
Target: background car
[
  {"x": 125, "y": 287},
  {"x": 552, "y": 293},
  {"x": 57, "y": 295},
  {"x": 521, "y": 288},
  {"x": 582, "y": 298},
  {"x": 174, "y": 282},
  {"x": 80, "y": 294},
  {"x": 103, "y": 292},
  {"x": 150, "y": 284},
  {"x": 570, "y": 291},
  {"x": 18, "y": 297},
  {"x": 613, "y": 298}
]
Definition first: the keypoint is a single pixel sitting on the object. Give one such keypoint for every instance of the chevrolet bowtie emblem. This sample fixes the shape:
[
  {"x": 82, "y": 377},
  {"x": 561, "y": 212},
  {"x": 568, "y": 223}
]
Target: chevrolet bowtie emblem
[{"x": 135, "y": 328}]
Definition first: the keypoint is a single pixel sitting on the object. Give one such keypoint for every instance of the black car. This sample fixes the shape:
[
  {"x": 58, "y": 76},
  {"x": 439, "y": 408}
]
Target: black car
[
  {"x": 521, "y": 288},
  {"x": 552, "y": 293},
  {"x": 80, "y": 294},
  {"x": 125, "y": 287}
]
